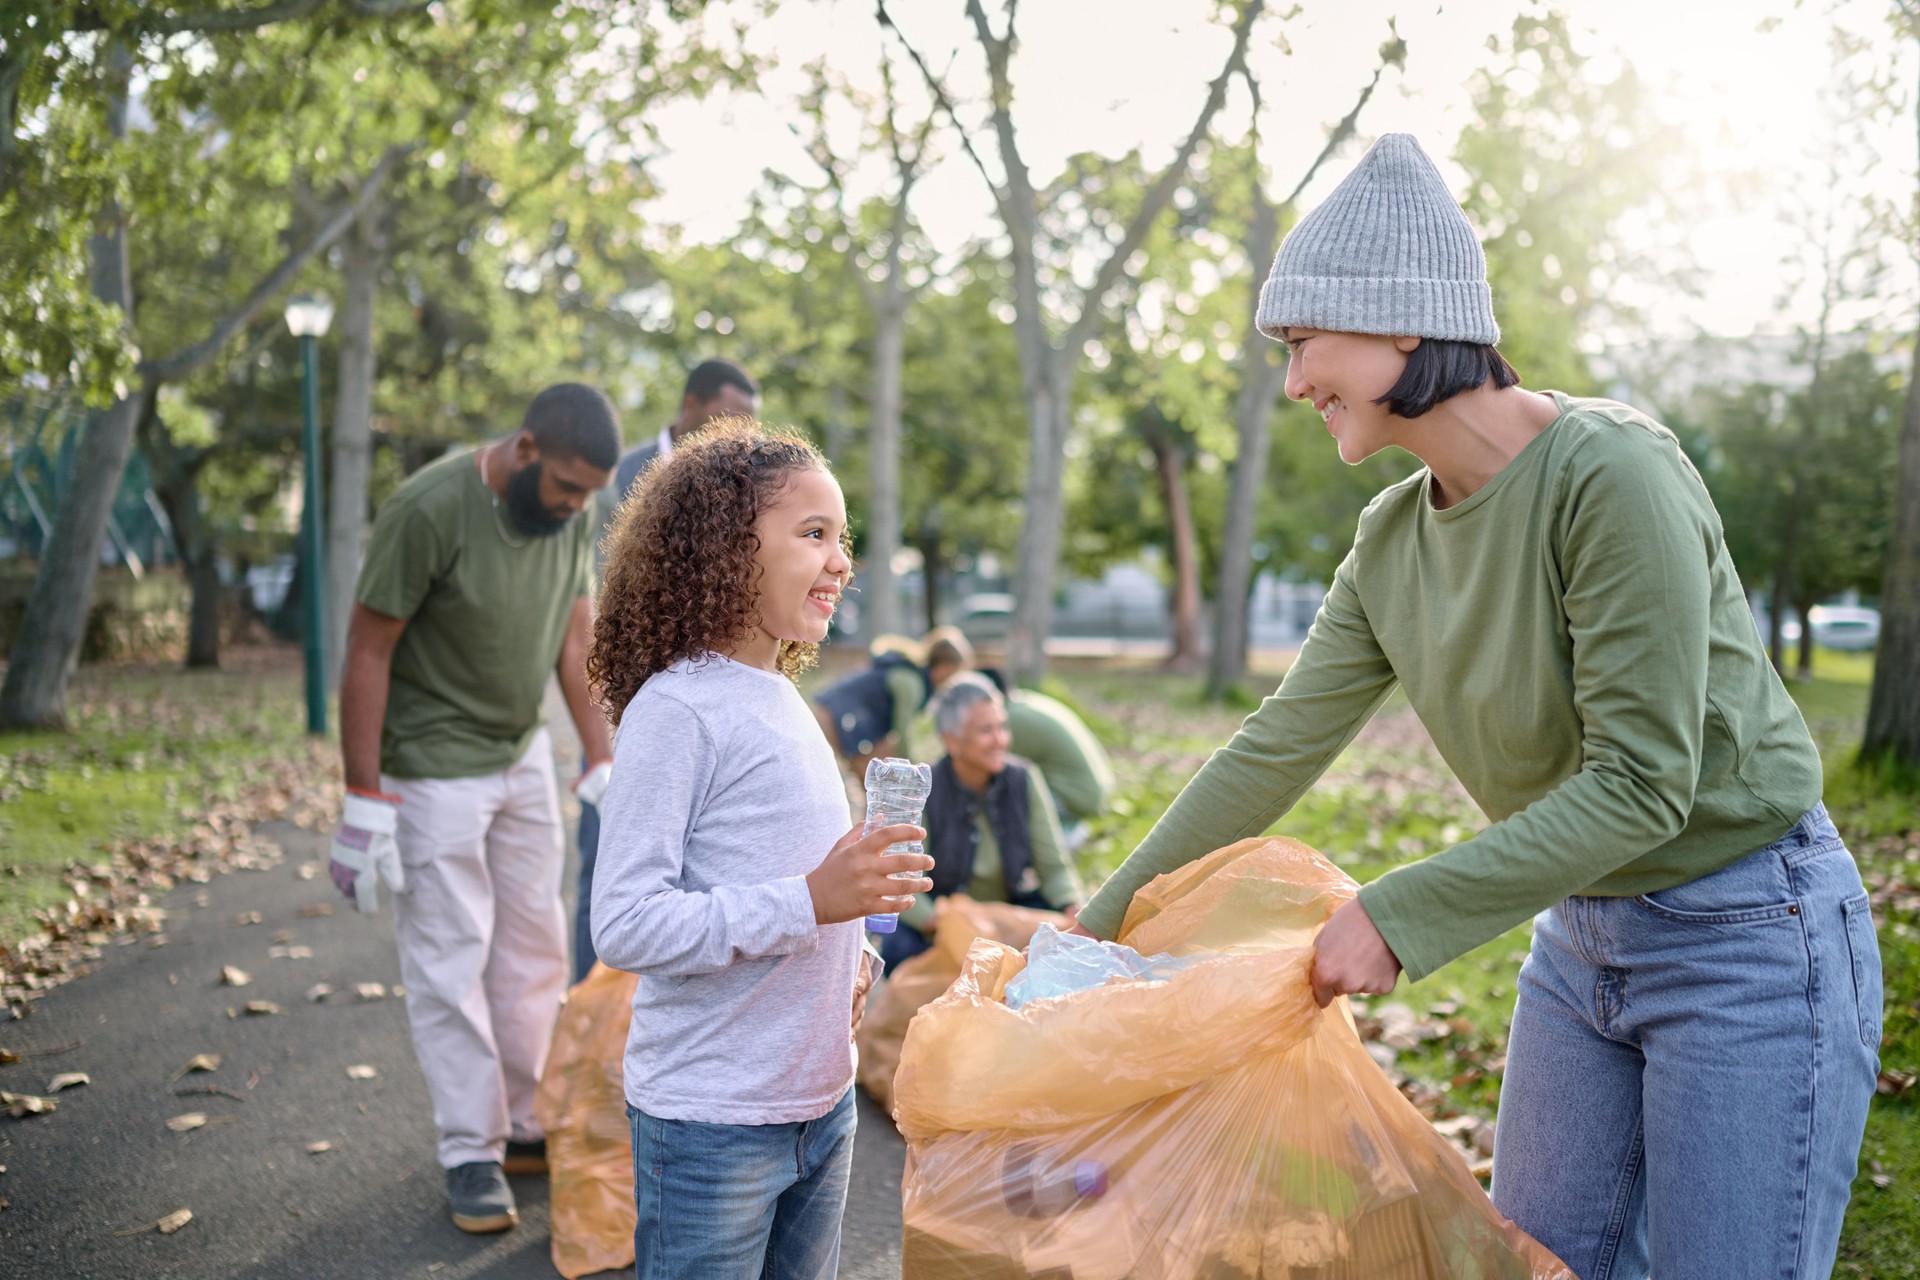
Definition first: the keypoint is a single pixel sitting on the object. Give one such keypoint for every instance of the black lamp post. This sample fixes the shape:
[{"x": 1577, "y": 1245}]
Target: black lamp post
[{"x": 308, "y": 315}]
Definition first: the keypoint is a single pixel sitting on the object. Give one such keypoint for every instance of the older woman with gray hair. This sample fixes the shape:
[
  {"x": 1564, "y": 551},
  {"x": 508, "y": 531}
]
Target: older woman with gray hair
[{"x": 992, "y": 828}]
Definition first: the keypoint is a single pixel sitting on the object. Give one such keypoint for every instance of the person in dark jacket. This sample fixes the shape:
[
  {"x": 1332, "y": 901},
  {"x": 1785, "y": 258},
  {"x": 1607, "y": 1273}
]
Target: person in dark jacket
[
  {"x": 867, "y": 714},
  {"x": 992, "y": 829}
]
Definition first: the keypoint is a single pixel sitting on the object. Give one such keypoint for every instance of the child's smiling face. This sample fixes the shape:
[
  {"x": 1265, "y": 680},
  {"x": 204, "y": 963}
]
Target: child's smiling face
[{"x": 803, "y": 567}]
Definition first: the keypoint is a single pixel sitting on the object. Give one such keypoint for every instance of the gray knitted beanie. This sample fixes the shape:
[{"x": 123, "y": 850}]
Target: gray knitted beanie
[{"x": 1389, "y": 252}]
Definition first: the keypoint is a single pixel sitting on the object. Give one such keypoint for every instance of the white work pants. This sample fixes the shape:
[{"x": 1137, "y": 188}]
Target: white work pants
[{"x": 483, "y": 945}]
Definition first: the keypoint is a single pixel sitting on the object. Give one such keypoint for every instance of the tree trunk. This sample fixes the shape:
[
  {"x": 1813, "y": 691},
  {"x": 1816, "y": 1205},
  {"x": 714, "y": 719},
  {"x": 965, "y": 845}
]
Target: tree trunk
[
  {"x": 1170, "y": 461},
  {"x": 1232, "y": 621},
  {"x": 203, "y": 621},
  {"x": 365, "y": 258},
  {"x": 1781, "y": 598},
  {"x": 1260, "y": 379},
  {"x": 1893, "y": 707},
  {"x": 176, "y": 483},
  {"x": 47, "y": 647},
  {"x": 1804, "y": 667},
  {"x": 933, "y": 564},
  {"x": 883, "y": 461},
  {"x": 1049, "y": 412}
]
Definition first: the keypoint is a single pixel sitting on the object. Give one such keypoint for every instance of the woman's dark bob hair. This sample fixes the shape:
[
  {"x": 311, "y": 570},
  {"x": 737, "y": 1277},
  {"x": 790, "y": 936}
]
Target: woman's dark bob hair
[{"x": 1439, "y": 369}]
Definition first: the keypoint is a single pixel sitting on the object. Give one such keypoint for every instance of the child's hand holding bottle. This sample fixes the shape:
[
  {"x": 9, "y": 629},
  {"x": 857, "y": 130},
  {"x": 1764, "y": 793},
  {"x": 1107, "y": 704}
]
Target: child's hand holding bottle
[{"x": 855, "y": 880}]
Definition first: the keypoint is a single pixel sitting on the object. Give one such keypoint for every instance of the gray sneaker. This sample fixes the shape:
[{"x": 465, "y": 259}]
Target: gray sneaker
[{"x": 480, "y": 1197}]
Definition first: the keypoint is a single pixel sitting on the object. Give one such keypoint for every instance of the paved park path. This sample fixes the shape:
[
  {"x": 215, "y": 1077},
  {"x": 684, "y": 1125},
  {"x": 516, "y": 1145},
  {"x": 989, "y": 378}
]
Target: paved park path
[{"x": 80, "y": 1183}]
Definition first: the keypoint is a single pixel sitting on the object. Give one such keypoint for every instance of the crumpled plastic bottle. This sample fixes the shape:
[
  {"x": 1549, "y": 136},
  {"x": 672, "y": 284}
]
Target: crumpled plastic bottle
[{"x": 1059, "y": 964}]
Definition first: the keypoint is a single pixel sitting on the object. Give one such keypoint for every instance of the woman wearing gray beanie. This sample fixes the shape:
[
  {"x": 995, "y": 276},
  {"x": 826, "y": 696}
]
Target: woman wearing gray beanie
[{"x": 1693, "y": 1042}]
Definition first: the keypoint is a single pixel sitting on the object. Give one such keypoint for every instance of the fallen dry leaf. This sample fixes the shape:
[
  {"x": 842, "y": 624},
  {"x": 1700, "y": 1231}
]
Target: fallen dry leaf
[
  {"x": 361, "y": 1071},
  {"x": 283, "y": 935},
  {"x": 7, "y": 1057},
  {"x": 234, "y": 977},
  {"x": 1894, "y": 1082},
  {"x": 315, "y": 910},
  {"x": 67, "y": 1080},
  {"x": 370, "y": 990},
  {"x": 290, "y": 953},
  {"x": 1878, "y": 1175},
  {"x": 307, "y": 870},
  {"x": 188, "y": 1120},
  {"x": 319, "y": 991},
  {"x": 315, "y": 1148},
  {"x": 262, "y": 1007},
  {"x": 399, "y": 992},
  {"x": 247, "y": 917},
  {"x": 174, "y": 1221},
  {"x": 199, "y": 1062},
  {"x": 22, "y": 1105}
]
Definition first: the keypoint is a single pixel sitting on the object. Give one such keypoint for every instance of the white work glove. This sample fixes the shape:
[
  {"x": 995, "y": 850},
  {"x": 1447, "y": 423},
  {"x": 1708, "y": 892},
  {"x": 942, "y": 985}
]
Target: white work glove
[
  {"x": 592, "y": 785},
  {"x": 365, "y": 851}
]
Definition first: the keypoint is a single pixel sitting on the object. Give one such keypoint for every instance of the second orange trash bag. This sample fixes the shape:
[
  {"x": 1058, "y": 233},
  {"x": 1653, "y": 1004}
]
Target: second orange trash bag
[
  {"x": 1214, "y": 1126},
  {"x": 582, "y": 1104}
]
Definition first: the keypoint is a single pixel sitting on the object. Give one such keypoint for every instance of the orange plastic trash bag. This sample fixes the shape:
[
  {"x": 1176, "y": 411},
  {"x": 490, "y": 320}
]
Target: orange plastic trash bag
[
  {"x": 928, "y": 975},
  {"x": 582, "y": 1104},
  {"x": 1216, "y": 1125}
]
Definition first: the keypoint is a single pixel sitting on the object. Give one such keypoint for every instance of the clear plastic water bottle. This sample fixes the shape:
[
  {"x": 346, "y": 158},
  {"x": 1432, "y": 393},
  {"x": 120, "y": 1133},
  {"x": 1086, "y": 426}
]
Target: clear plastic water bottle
[
  {"x": 896, "y": 793},
  {"x": 1034, "y": 1184}
]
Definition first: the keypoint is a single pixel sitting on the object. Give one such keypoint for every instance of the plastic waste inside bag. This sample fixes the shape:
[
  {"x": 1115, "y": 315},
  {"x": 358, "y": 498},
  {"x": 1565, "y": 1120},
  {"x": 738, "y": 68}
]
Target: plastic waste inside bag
[
  {"x": 1059, "y": 964},
  {"x": 1213, "y": 1125},
  {"x": 581, "y": 1102},
  {"x": 958, "y": 921}
]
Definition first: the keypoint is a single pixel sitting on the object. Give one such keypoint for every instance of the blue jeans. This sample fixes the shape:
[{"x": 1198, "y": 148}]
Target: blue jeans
[
  {"x": 740, "y": 1201},
  {"x": 583, "y": 953},
  {"x": 1689, "y": 1071}
]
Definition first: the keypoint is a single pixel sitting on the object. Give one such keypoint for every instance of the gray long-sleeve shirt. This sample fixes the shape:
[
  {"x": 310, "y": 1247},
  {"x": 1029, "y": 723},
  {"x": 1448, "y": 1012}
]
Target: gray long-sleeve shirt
[{"x": 724, "y": 796}]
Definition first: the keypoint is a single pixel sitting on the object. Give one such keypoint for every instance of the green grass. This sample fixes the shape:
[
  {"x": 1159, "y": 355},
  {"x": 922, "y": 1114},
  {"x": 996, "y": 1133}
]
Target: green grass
[
  {"x": 1390, "y": 799},
  {"x": 149, "y": 748}
]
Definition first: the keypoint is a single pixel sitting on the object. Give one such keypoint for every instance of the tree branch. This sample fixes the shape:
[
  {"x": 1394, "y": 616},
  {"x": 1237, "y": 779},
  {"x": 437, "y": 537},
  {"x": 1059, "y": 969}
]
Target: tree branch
[
  {"x": 181, "y": 363},
  {"x": 945, "y": 103},
  {"x": 1392, "y": 54},
  {"x": 1162, "y": 191}
]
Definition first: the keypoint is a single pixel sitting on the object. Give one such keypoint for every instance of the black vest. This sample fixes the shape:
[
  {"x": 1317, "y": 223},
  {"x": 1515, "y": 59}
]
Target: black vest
[{"x": 952, "y": 835}]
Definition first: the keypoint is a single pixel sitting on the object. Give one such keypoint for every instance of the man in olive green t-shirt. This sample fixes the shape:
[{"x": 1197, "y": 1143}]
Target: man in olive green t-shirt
[{"x": 477, "y": 587}]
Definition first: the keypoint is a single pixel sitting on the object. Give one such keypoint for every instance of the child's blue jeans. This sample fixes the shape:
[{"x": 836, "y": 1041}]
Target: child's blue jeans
[
  {"x": 740, "y": 1201},
  {"x": 1689, "y": 1071}
]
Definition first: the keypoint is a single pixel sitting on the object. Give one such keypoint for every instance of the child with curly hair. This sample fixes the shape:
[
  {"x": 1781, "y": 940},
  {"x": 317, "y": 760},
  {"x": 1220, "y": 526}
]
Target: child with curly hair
[{"x": 727, "y": 878}]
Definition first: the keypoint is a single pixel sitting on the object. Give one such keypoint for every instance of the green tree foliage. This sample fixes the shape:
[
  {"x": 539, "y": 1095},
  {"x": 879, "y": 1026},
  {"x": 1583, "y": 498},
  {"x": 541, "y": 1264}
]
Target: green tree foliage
[
  {"x": 1555, "y": 160},
  {"x": 1752, "y": 441}
]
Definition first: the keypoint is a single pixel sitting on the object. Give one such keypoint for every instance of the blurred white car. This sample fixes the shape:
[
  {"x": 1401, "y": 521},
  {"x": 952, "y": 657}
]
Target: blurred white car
[
  {"x": 986, "y": 615},
  {"x": 1845, "y": 627}
]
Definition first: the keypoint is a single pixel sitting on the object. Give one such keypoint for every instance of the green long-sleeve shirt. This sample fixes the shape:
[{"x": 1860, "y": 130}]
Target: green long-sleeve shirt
[
  {"x": 1059, "y": 882},
  {"x": 1576, "y": 642}
]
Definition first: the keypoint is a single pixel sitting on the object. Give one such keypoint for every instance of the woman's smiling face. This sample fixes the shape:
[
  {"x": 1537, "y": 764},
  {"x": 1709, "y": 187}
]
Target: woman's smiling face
[
  {"x": 803, "y": 567},
  {"x": 1341, "y": 375}
]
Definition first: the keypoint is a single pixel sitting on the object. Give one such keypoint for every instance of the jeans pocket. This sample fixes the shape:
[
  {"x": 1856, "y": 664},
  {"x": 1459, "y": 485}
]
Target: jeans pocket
[
  {"x": 1755, "y": 888},
  {"x": 1864, "y": 949}
]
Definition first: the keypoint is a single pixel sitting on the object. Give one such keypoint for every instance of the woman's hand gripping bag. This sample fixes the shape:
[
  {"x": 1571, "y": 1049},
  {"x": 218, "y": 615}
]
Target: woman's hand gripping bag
[
  {"x": 582, "y": 1104},
  {"x": 1214, "y": 1125},
  {"x": 927, "y": 976}
]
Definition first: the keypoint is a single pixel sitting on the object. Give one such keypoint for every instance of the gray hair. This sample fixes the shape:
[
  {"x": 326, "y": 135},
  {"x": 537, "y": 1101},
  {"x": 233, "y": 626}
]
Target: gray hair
[{"x": 959, "y": 696}]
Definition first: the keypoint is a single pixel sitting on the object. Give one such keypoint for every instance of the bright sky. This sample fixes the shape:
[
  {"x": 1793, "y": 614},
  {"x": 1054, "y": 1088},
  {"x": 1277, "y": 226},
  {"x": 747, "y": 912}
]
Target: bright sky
[{"x": 1744, "y": 77}]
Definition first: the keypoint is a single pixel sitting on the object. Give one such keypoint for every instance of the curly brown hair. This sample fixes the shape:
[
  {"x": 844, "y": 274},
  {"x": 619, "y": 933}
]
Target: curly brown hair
[{"x": 682, "y": 567}]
